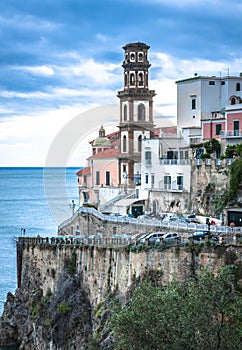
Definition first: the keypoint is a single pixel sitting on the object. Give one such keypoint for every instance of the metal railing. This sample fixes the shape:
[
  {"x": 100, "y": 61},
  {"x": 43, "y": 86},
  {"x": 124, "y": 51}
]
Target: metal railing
[
  {"x": 172, "y": 225},
  {"x": 223, "y": 239}
]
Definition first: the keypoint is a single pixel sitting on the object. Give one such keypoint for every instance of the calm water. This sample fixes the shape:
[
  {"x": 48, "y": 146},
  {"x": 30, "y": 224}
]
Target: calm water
[{"x": 34, "y": 199}]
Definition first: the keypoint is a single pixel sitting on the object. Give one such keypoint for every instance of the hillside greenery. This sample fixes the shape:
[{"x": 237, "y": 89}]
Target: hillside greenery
[{"x": 201, "y": 313}]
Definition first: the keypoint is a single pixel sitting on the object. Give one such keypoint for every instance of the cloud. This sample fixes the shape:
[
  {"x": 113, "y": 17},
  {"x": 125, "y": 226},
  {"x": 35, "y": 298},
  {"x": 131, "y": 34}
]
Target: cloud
[{"x": 36, "y": 70}]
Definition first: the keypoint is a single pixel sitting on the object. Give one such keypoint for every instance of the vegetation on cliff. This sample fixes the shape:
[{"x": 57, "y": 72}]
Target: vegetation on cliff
[{"x": 202, "y": 313}]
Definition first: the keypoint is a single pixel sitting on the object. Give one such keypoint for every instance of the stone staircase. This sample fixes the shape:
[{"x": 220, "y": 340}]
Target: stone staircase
[{"x": 107, "y": 206}]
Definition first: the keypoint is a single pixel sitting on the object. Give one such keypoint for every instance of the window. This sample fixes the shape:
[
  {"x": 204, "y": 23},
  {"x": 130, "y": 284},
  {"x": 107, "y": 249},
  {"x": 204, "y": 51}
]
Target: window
[
  {"x": 223, "y": 82},
  {"x": 146, "y": 179},
  {"x": 211, "y": 82},
  {"x": 107, "y": 178},
  {"x": 141, "y": 112},
  {"x": 132, "y": 56},
  {"x": 84, "y": 179},
  {"x": 141, "y": 79},
  {"x": 125, "y": 143},
  {"x": 125, "y": 112},
  {"x": 131, "y": 79},
  {"x": 233, "y": 101},
  {"x": 97, "y": 177},
  {"x": 218, "y": 129},
  {"x": 139, "y": 143},
  {"x": 170, "y": 154},
  {"x": 140, "y": 56},
  {"x": 238, "y": 87},
  {"x": 124, "y": 168},
  {"x": 152, "y": 181},
  {"x": 85, "y": 197},
  {"x": 148, "y": 157},
  {"x": 194, "y": 103},
  {"x": 179, "y": 182},
  {"x": 167, "y": 182}
]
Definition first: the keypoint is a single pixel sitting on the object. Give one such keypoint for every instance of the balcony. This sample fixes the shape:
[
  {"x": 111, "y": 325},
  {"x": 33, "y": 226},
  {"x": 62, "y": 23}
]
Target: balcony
[
  {"x": 170, "y": 187},
  {"x": 174, "y": 161},
  {"x": 234, "y": 134}
]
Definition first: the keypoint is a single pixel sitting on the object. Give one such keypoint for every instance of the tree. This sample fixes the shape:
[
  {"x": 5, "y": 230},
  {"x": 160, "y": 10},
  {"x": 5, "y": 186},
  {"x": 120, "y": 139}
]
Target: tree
[
  {"x": 235, "y": 182},
  {"x": 202, "y": 313}
]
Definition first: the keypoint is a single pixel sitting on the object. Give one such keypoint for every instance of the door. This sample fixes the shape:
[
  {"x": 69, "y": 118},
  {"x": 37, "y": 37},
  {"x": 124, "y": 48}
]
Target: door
[{"x": 236, "y": 127}]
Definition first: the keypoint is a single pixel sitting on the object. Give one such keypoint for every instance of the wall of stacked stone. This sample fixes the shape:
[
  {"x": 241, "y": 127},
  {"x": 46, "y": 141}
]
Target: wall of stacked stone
[{"x": 108, "y": 269}]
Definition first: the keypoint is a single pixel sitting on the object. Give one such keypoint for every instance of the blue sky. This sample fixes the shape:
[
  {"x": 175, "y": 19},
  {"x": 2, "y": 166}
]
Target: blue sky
[{"x": 62, "y": 58}]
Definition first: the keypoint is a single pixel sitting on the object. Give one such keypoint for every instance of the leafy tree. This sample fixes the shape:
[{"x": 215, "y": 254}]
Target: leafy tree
[
  {"x": 233, "y": 150},
  {"x": 211, "y": 146},
  {"x": 202, "y": 313},
  {"x": 235, "y": 182}
]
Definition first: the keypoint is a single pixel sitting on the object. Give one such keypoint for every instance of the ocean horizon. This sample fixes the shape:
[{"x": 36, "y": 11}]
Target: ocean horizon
[{"x": 33, "y": 201}]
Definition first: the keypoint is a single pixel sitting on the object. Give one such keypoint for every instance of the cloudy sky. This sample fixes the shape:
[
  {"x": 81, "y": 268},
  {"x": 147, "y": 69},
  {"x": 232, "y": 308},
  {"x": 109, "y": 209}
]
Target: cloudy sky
[{"x": 62, "y": 59}]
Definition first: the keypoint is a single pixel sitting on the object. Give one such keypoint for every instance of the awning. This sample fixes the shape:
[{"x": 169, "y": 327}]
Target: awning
[{"x": 126, "y": 202}]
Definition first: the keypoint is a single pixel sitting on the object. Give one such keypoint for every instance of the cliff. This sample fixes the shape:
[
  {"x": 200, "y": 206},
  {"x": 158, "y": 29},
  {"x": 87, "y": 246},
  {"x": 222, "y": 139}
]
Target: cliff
[{"x": 61, "y": 288}]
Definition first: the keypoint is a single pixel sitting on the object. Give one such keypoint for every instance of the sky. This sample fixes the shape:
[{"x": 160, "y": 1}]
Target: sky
[{"x": 61, "y": 66}]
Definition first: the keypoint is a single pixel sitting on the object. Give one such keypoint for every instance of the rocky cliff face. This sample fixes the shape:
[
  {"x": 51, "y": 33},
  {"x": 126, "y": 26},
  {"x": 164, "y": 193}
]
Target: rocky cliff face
[{"x": 62, "y": 289}]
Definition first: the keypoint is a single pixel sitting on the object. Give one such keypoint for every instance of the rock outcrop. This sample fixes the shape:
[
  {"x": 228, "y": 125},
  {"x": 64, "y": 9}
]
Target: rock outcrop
[{"x": 64, "y": 291}]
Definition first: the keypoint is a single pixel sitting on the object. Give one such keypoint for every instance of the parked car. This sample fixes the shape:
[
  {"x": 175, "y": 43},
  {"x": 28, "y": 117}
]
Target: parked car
[
  {"x": 156, "y": 237},
  {"x": 169, "y": 218},
  {"x": 142, "y": 239},
  {"x": 144, "y": 217},
  {"x": 171, "y": 238},
  {"x": 200, "y": 236}
]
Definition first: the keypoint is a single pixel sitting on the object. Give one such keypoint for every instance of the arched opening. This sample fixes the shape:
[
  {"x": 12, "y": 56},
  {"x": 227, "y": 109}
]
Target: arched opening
[
  {"x": 125, "y": 112},
  {"x": 155, "y": 207},
  {"x": 238, "y": 87},
  {"x": 131, "y": 79},
  {"x": 233, "y": 101},
  {"x": 141, "y": 79},
  {"x": 139, "y": 143},
  {"x": 125, "y": 143},
  {"x": 141, "y": 112}
]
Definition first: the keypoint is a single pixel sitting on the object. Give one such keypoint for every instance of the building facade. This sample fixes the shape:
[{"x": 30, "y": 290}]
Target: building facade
[{"x": 136, "y": 111}]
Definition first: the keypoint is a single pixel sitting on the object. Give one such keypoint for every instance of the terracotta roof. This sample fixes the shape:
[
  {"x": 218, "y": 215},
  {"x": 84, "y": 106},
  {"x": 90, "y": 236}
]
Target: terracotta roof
[
  {"x": 84, "y": 171},
  {"x": 108, "y": 153}
]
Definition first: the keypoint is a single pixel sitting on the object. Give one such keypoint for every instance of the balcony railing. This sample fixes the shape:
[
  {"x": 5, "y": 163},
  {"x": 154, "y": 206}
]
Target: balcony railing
[
  {"x": 231, "y": 134},
  {"x": 174, "y": 161}
]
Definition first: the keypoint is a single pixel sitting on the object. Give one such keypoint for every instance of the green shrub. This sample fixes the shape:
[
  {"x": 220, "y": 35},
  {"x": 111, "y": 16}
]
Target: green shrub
[{"x": 63, "y": 307}]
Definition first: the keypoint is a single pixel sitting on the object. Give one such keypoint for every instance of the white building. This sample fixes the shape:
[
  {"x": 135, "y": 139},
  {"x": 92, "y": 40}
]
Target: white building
[
  {"x": 200, "y": 96},
  {"x": 165, "y": 171}
]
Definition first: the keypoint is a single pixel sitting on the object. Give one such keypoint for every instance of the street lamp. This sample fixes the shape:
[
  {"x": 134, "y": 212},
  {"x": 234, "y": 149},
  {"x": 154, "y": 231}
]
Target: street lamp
[
  {"x": 125, "y": 176},
  {"x": 72, "y": 206}
]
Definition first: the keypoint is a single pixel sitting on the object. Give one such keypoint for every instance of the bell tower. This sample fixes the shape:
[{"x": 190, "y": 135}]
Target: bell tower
[{"x": 136, "y": 111}]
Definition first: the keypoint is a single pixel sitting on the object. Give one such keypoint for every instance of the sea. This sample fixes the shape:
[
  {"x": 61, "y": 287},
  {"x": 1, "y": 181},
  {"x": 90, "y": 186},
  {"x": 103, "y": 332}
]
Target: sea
[{"x": 33, "y": 201}]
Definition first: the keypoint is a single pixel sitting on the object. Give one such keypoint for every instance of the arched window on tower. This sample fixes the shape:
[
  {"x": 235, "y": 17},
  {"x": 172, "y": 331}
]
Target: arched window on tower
[
  {"x": 125, "y": 113},
  {"x": 141, "y": 79},
  {"x": 141, "y": 111},
  {"x": 238, "y": 87},
  {"x": 139, "y": 143},
  {"x": 131, "y": 79},
  {"x": 233, "y": 101},
  {"x": 125, "y": 143},
  {"x": 140, "y": 57}
]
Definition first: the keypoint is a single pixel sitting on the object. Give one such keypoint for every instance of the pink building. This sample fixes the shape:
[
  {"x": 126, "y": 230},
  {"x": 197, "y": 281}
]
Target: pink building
[
  {"x": 102, "y": 171},
  {"x": 226, "y": 125}
]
